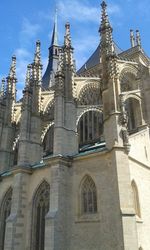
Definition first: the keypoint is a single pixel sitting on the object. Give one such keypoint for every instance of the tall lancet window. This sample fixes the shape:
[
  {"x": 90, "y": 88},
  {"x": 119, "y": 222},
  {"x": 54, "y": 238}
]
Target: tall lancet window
[
  {"x": 40, "y": 209},
  {"x": 136, "y": 199},
  {"x": 133, "y": 108},
  {"x": 90, "y": 128},
  {"x": 88, "y": 196},
  {"x": 5, "y": 212},
  {"x": 48, "y": 141}
]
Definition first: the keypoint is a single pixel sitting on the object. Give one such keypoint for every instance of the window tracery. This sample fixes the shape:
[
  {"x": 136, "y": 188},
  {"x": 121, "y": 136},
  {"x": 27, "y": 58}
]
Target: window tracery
[
  {"x": 5, "y": 212},
  {"x": 90, "y": 127},
  {"x": 40, "y": 209},
  {"x": 129, "y": 82},
  {"x": 90, "y": 95},
  {"x": 133, "y": 109},
  {"x": 88, "y": 196}
]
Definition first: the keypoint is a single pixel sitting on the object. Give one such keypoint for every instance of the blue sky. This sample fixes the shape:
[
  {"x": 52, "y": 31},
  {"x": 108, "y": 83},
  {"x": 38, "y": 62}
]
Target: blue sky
[{"x": 24, "y": 22}]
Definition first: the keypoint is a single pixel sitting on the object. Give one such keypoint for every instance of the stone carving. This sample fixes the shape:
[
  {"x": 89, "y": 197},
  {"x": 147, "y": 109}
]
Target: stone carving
[{"x": 124, "y": 124}]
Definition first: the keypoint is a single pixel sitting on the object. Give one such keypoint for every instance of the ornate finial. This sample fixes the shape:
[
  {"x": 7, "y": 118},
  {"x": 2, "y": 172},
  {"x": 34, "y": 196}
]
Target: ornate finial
[
  {"x": 67, "y": 41},
  {"x": 138, "y": 38},
  {"x": 12, "y": 72},
  {"x": 37, "y": 57},
  {"x": 104, "y": 5},
  {"x": 28, "y": 74},
  {"x": 107, "y": 47},
  {"x": 11, "y": 79},
  {"x": 105, "y": 24},
  {"x": 132, "y": 38}
]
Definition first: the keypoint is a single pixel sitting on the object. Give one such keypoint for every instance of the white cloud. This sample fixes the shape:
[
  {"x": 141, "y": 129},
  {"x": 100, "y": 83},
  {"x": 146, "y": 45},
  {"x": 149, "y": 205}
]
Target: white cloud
[
  {"x": 27, "y": 35},
  {"x": 77, "y": 10},
  {"x": 29, "y": 31},
  {"x": 82, "y": 11},
  {"x": 24, "y": 57},
  {"x": 114, "y": 9}
]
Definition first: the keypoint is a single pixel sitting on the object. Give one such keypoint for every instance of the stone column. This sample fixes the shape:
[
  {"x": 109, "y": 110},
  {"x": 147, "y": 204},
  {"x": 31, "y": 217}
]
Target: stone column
[
  {"x": 56, "y": 223},
  {"x": 16, "y": 222}
]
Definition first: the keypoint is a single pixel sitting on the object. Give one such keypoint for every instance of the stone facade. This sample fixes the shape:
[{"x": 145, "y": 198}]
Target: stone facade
[{"x": 74, "y": 152}]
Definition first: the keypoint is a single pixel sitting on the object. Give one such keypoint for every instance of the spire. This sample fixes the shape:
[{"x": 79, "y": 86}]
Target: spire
[
  {"x": 55, "y": 33},
  {"x": 106, "y": 32},
  {"x": 105, "y": 24},
  {"x": 68, "y": 50},
  {"x": 37, "y": 57},
  {"x": 49, "y": 75},
  {"x": 36, "y": 65},
  {"x": 67, "y": 40},
  {"x": 132, "y": 39},
  {"x": 138, "y": 38},
  {"x": 11, "y": 79},
  {"x": 12, "y": 72}
]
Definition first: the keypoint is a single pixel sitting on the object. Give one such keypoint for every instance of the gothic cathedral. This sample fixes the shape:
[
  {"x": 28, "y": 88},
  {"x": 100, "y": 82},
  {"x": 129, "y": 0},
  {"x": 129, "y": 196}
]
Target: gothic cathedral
[{"x": 75, "y": 150}]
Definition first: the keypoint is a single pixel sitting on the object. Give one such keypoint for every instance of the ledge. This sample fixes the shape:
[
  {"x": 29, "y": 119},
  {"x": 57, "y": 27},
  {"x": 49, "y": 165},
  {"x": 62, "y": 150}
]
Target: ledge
[
  {"x": 88, "y": 218},
  {"x": 138, "y": 219}
]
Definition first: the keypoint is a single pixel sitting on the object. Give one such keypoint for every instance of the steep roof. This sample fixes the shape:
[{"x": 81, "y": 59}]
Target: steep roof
[{"x": 95, "y": 59}]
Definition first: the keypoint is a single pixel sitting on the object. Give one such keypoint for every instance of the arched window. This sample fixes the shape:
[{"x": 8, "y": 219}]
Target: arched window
[
  {"x": 90, "y": 127},
  {"x": 129, "y": 82},
  {"x": 5, "y": 212},
  {"x": 15, "y": 154},
  {"x": 90, "y": 94},
  {"x": 88, "y": 196},
  {"x": 136, "y": 199},
  {"x": 133, "y": 109},
  {"x": 40, "y": 209},
  {"x": 56, "y": 52},
  {"x": 48, "y": 141}
]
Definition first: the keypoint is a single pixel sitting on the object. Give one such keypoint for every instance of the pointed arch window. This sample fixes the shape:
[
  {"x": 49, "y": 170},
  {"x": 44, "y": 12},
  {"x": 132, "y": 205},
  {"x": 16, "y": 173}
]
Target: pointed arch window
[
  {"x": 90, "y": 128},
  {"x": 136, "y": 199},
  {"x": 133, "y": 108},
  {"x": 88, "y": 196},
  {"x": 48, "y": 142},
  {"x": 40, "y": 209},
  {"x": 5, "y": 212}
]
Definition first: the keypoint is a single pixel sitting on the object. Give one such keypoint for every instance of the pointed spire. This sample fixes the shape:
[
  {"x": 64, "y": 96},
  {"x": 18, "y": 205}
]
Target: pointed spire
[
  {"x": 67, "y": 40},
  {"x": 138, "y": 38},
  {"x": 36, "y": 65},
  {"x": 11, "y": 79},
  {"x": 55, "y": 32},
  {"x": 67, "y": 49},
  {"x": 12, "y": 72},
  {"x": 105, "y": 24},
  {"x": 37, "y": 57},
  {"x": 105, "y": 30},
  {"x": 132, "y": 39}
]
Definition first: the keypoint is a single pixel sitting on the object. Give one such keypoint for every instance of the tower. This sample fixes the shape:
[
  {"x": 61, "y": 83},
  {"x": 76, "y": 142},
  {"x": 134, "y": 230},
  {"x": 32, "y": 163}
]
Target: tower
[{"x": 65, "y": 137}]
